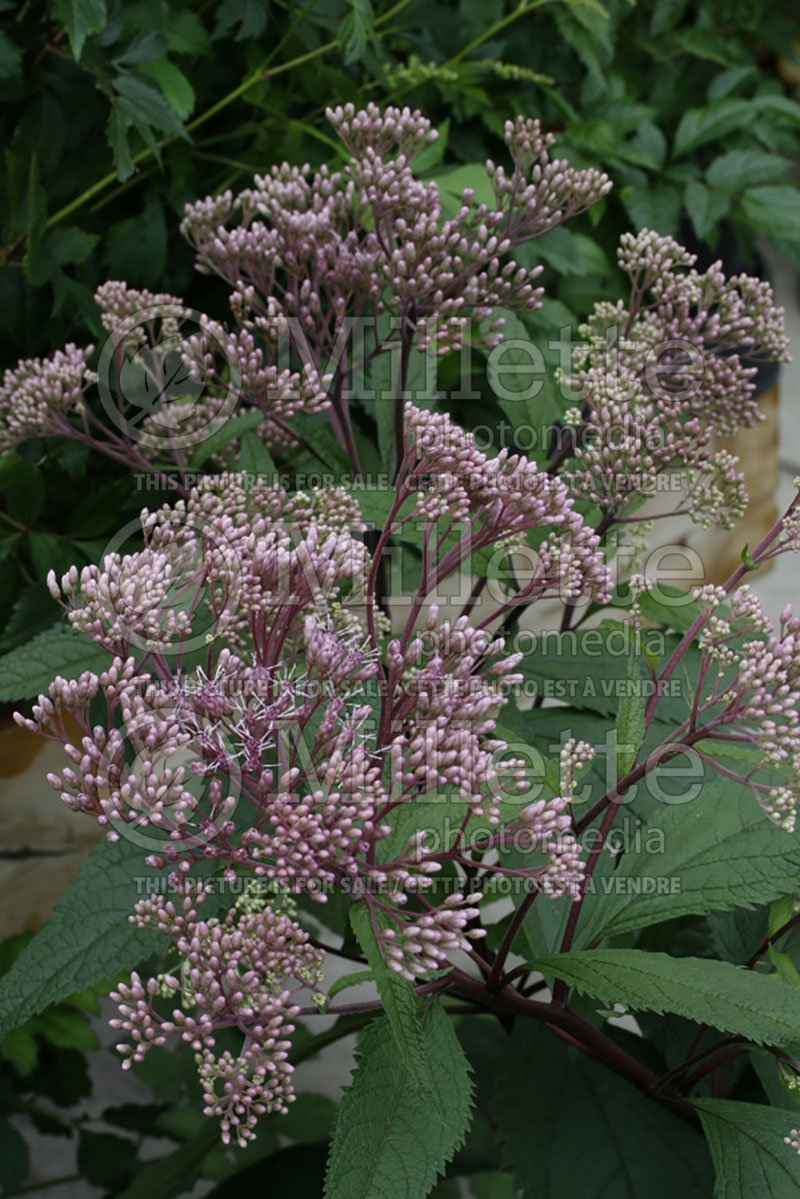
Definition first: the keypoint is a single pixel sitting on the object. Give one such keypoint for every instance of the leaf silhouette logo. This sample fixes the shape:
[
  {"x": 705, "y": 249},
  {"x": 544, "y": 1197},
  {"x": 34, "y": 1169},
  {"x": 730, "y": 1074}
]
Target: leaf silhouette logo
[{"x": 154, "y": 379}]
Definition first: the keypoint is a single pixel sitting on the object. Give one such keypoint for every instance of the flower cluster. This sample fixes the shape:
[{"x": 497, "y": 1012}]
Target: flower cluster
[
  {"x": 322, "y": 247},
  {"x": 549, "y": 823},
  {"x": 751, "y": 693},
  {"x": 259, "y": 721},
  {"x": 500, "y": 498},
  {"x": 243, "y": 971},
  {"x": 39, "y": 395},
  {"x": 661, "y": 375}
]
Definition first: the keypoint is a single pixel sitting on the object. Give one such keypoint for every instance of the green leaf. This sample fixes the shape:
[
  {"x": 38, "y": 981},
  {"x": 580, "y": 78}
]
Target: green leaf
[
  {"x": 175, "y": 87},
  {"x": 105, "y": 1160},
  {"x": 30, "y": 669},
  {"x": 757, "y": 1006},
  {"x": 66, "y": 1028},
  {"x": 738, "y": 169},
  {"x": 702, "y": 43},
  {"x": 669, "y": 606},
  {"x": 317, "y": 435},
  {"x": 587, "y": 667},
  {"x": 143, "y": 47},
  {"x": 517, "y": 374},
  {"x": 249, "y": 15},
  {"x": 774, "y": 210},
  {"x": 117, "y": 134},
  {"x": 665, "y": 14},
  {"x": 227, "y": 433},
  {"x": 69, "y": 244},
  {"x": 143, "y": 106},
  {"x": 136, "y": 248},
  {"x": 402, "y": 1007},
  {"x": 630, "y": 1148},
  {"x": 390, "y": 1140},
  {"x": 651, "y": 143},
  {"x": 784, "y": 967},
  {"x": 295, "y": 1170},
  {"x": 729, "y": 81},
  {"x": 781, "y": 912},
  {"x": 350, "y": 980},
  {"x": 15, "y": 1158},
  {"x": 88, "y": 938},
  {"x": 653, "y": 206},
  {"x": 630, "y": 724},
  {"x": 700, "y": 125},
  {"x": 21, "y": 1049},
  {"x": 10, "y": 58},
  {"x": 255, "y": 458},
  {"x": 705, "y": 207},
  {"x": 750, "y": 1157},
  {"x": 717, "y": 853},
  {"x": 357, "y": 30},
  {"x": 186, "y": 34},
  {"x": 81, "y": 18},
  {"x": 452, "y": 183}
]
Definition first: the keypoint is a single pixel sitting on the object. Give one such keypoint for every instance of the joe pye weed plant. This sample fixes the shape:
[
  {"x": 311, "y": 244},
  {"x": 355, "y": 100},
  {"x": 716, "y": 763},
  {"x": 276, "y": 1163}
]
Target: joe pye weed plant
[{"x": 294, "y": 757}]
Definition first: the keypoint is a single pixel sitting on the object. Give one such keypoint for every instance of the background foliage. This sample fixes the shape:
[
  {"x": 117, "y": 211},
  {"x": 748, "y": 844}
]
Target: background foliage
[{"x": 115, "y": 115}]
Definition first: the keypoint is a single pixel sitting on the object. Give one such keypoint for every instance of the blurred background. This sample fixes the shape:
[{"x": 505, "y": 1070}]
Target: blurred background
[{"x": 113, "y": 116}]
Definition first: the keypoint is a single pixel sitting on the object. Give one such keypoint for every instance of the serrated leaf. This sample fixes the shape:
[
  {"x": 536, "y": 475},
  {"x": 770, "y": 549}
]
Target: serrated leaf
[
  {"x": 10, "y": 58},
  {"x": 81, "y": 18},
  {"x": 88, "y": 938},
  {"x": 175, "y": 87},
  {"x": 350, "y": 980},
  {"x": 30, "y": 669},
  {"x": 32, "y": 613},
  {"x": 318, "y": 436},
  {"x": 249, "y": 15},
  {"x": 630, "y": 726},
  {"x": 705, "y": 207},
  {"x": 390, "y": 1140},
  {"x": 71, "y": 244},
  {"x": 141, "y": 104},
  {"x": 719, "y": 849},
  {"x": 775, "y": 210},
  {"x": 117, "y": 134},
  {"x": 403, "y": 1009},
  {"x": 356, "y": 30},
  {"x": 700, "y": 125},
  {"x": 66, "y": 1028},
  {"x": 650, "y": 142},
  {"x": 186, "y": 34},
  {"x": 233, "y": 428},
  {"x": 453, "y": 182},
  {"x": 702, "y": 43},
  {"x": 143, "y": 47},
  {"x": 630, "y": 1147},
  {"x": 653, "y": 206},
  {"x": 559, "y": 666},
  {"x": 255, "y": 458},
  {"x": 105, "y": 1160},
  {"x": 21, "y": 1050},
  {"x": 781, "y": 912},
  {"x": 15, "y": 1158},
  {"x": 757, "y": 1006},
  {"x": 746, "y": 1143},
  {"x": 784, "y": 968},
  {"x": 738, "y": 169}
]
